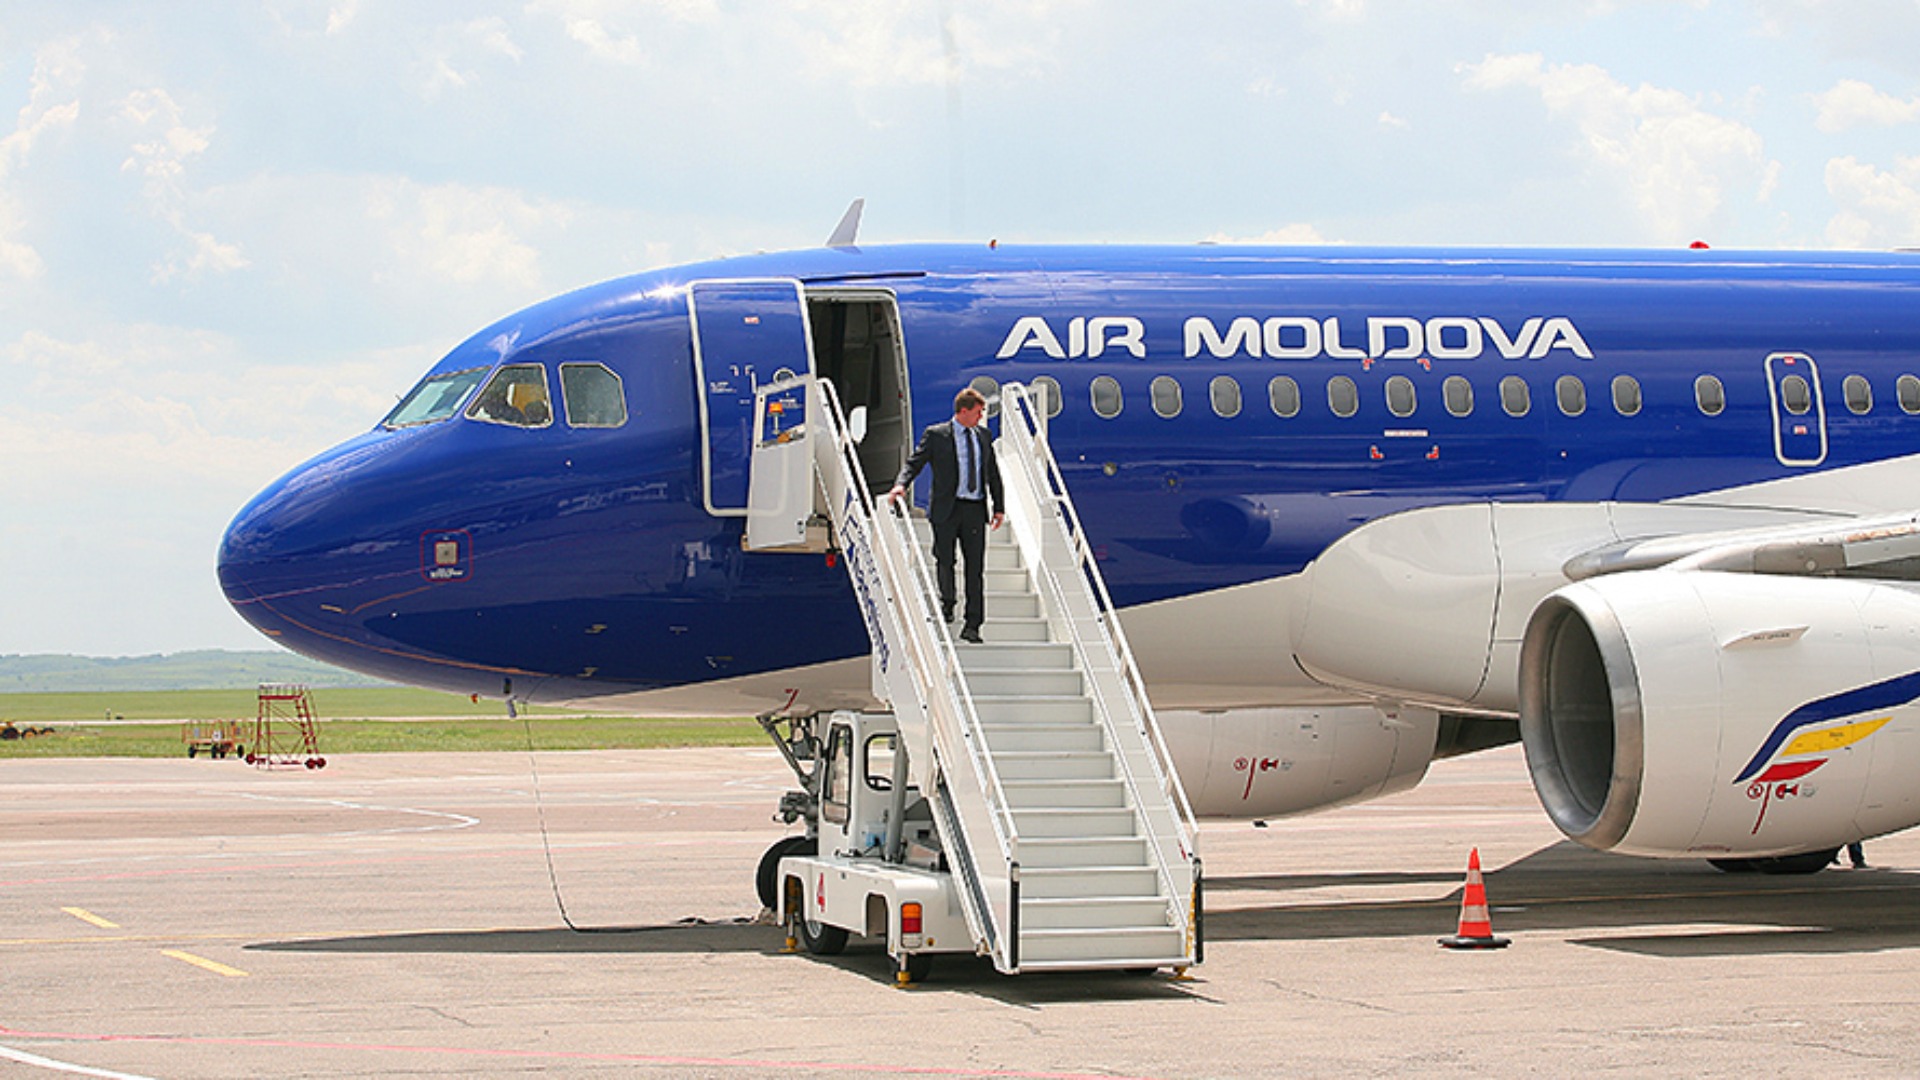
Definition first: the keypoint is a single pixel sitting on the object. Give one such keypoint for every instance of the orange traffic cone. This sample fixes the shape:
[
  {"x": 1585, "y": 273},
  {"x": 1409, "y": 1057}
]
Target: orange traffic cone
[{"x": 1476, "y": 927}]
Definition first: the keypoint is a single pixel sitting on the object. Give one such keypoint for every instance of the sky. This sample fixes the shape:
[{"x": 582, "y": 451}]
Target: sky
[{"x": 231, "y": 234}]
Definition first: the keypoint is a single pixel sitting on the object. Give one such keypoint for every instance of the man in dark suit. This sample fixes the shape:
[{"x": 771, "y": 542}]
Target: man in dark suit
[{"x": 966, "y": 501}]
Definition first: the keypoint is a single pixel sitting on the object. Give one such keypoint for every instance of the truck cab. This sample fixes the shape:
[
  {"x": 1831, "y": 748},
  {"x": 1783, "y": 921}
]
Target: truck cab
[{"x": 876, "y": 868}]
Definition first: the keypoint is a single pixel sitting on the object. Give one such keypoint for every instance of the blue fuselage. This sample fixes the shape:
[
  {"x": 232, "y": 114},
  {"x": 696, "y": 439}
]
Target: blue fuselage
[{"x": 582, "y": 561}]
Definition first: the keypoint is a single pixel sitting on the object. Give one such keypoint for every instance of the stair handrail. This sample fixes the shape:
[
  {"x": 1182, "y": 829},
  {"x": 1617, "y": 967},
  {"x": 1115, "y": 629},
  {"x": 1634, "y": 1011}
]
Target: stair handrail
[
  {"x": 896, "y": 547},
  {"x": 1024, "y": 426}
]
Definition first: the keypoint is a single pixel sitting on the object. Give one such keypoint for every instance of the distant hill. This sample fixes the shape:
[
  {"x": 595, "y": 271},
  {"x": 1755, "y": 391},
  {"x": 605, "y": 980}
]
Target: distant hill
[{"x": 204, "y": 669}]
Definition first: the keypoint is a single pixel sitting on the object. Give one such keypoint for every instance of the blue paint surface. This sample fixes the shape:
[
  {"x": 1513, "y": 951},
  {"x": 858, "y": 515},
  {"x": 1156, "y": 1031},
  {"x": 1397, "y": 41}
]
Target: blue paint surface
[{"x": 571, "y": 529}]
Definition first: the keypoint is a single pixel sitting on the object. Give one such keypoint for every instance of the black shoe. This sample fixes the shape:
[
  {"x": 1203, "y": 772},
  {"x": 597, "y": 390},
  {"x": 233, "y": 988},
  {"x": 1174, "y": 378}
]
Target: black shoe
[
  {"x": 972, "y": 634},
  {"x": 946, "y": 613}
]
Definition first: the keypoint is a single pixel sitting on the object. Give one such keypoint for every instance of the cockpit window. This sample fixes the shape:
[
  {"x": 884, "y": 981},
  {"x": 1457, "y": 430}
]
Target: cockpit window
[
  {"x": 436, "y": 398},
  {"x": 593, "y": 394},
  {"x": 517, "y": 395}
]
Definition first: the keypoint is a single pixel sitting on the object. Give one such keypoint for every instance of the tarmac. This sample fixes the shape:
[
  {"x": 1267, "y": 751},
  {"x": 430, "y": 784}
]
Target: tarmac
[{"x": 401, "y": 915}]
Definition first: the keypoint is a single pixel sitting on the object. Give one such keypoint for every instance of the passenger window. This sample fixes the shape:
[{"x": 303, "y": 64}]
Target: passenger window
[
  {"x": 436, "y": 398},
  {"x": 988, "y": 387},
  {"x": 1051, "y": 386},
  {"x": 517, "y": 395},
  {"x": 1710, "y": 395},
  {"x": 1859, "y": 394},
  {"x": 1343, "y": 397},
  {"x": 1224, "y": 391},
  {"x": 1106, "y": 397},
  {"x": 1571, "y": 393},
  {"x": 836, "y": 788},
  {"x": 1165, "y": 391},
  {"x": 1284, "y": 395},
  {"x": 1796, "y": 395},
  {"x": 1459, "y": 394},
  {"x": 880, "y": 762},
  {"x": 1907, "y": 389},
  {"x": 1400, "y": 396},
  {"x": 593, "y": 395},
  {"x": 1514, "y": 396},
  {"x": 1626, "y": 395}
]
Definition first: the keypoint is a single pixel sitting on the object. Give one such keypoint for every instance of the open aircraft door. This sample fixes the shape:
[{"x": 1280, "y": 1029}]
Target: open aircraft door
[{"x": 744, "y": 332}]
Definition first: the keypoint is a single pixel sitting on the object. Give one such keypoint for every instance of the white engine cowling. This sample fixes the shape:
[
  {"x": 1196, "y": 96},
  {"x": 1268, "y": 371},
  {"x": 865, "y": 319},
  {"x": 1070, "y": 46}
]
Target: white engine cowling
[
  {"x": 1270, "y": 762},
  {"x": 1677, "y": 713}
]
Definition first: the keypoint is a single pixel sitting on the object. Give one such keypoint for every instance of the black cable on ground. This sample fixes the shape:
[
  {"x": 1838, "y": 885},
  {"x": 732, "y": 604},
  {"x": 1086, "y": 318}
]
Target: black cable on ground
[{"x": 553, "y": 878}]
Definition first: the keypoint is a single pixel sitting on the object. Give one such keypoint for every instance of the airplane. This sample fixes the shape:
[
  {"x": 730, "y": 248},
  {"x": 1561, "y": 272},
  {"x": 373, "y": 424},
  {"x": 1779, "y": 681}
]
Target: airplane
[{"x": 1650, "y": 513}]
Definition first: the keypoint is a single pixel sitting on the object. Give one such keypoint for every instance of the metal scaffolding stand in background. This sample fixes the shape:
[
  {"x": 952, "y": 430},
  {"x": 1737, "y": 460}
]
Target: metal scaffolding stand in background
[{"x": 283, "y": 732}]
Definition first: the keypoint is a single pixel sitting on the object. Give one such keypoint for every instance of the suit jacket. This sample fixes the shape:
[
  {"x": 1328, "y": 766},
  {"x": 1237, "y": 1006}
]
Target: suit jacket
[{"x": 937, "y": 449}]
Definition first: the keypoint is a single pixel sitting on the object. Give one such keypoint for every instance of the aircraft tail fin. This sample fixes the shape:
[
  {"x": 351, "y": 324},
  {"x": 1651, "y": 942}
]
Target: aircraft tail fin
[{"x": 849, "y": 227}]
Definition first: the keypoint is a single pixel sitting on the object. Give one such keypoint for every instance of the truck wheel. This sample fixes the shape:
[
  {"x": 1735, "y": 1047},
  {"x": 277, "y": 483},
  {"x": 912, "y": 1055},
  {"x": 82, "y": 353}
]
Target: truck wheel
[
  {"x": 769, "y": 871},
  {"x": 917, "y": 966},
  {"x": 821, "y": 939}
]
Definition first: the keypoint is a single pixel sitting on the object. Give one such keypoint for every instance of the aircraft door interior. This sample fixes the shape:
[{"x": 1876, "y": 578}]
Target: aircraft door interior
[{"x": 857, "y": 347}]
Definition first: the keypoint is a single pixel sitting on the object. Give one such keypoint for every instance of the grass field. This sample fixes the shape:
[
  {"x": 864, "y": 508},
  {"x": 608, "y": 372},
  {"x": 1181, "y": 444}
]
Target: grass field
[
  {"x": 346, "y": 703},
  {"x": 351, "y": 721},
  {"x": 422, "y": 736}
]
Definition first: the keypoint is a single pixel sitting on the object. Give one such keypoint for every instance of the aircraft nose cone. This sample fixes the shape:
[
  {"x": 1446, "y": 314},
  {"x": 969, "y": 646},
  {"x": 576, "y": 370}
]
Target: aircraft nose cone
[{"x": 258, "y": 562}]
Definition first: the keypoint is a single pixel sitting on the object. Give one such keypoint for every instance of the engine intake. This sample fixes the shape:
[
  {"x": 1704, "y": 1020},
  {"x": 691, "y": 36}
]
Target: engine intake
[
  {"x": 1686, "y": 713},
  {"x": 1580, "y": 718}
]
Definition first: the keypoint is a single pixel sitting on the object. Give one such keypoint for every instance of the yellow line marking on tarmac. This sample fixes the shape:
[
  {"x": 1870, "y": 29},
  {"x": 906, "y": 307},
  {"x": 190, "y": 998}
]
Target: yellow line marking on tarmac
[
  {"x": 89, "y": 917},
  {"x": 123, "y": 939},
  {"x": 214, "y": 966}
]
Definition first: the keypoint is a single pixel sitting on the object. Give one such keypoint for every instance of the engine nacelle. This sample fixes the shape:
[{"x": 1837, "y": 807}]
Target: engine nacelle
[
  {"x": 1270, "y": 762},
  {"x": 1677, "y": 713}
]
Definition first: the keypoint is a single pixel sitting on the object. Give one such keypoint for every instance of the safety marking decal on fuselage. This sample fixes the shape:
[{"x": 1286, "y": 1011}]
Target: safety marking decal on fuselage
[{"x": 1788, "y": 739}]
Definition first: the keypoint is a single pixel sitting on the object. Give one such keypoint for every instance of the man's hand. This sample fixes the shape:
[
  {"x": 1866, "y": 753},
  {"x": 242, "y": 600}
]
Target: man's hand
[
  {"x": 893, "y": 494},
  {"x": 997, "y": 519}
]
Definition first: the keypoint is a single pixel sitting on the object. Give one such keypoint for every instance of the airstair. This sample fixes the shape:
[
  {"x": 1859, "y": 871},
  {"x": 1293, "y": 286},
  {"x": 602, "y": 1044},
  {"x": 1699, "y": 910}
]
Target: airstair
[{"x": 1070, "y": 841}]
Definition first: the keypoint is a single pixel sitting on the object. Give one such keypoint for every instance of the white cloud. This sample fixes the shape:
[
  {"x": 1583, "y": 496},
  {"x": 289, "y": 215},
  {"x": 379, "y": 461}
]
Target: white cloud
[
  {"x": 129, "y": 449},
  {"x": 454, "y": 59},
  {"x": 53, "y": 103},
  {"x": 620, "y": 50},
  {"x": 1677, "y": 160},
  {"x": 858, "y": 43},
  {"x": 303, "y": 17},
  {"x": 52, "y": 106},
  {"x": 340, "y": 16},
  {"x": 1349, "y": 10},
  {"x": 1852, "y": 103},
  {"x": 1388, "y": 120},
  {"x": 1877, "y": 209},
  {"x": 611, "y": 29},
  {"x": 161, "y": 160},
  {"x": 17, "y": 258},
  {"x": 461, "y": 234},
  {"x": 875, "y": 43},
  {"x": 1297, "y": 233}
]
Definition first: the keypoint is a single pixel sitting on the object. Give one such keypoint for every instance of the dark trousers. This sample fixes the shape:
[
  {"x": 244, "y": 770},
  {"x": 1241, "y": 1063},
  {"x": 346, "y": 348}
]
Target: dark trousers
[{"x": 968, "y": 526}]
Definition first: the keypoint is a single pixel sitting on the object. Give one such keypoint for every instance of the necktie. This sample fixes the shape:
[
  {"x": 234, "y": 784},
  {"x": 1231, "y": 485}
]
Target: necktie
[{"x": 973, "y": 463}]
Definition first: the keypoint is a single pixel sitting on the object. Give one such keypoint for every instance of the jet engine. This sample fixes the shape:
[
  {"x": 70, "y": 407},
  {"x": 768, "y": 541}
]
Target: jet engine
[
  {"x": 1727, "y": 715},
  {"x": 1270, "y": 762}
]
